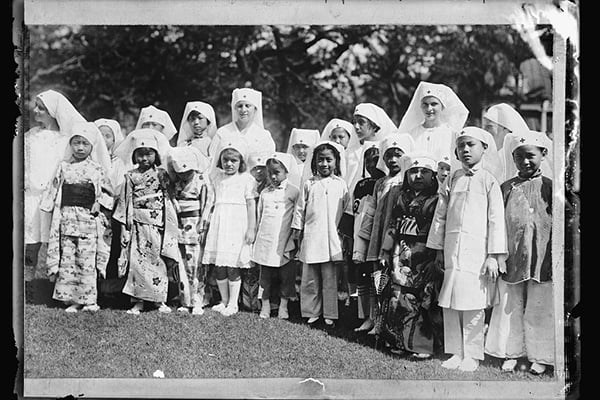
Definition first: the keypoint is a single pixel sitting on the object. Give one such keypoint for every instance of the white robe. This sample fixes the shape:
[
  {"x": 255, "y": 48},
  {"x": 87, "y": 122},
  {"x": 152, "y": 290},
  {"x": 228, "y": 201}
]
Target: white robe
[
  {"x": 259, "y": 139},
  {"x": 437, "y": 141},
  {"x": 468, "y": 225}
]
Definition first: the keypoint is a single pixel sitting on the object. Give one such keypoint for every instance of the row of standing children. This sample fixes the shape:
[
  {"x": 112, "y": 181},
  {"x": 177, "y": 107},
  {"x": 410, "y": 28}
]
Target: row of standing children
[{"x": 440, "y": 253}]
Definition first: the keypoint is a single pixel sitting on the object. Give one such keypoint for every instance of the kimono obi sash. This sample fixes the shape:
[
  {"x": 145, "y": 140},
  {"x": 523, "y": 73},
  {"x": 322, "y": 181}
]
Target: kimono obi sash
[
  {"x": 78, "y": 194},
  {"x": 189, "y": 208},
  {"x": 148, "y": 209}
]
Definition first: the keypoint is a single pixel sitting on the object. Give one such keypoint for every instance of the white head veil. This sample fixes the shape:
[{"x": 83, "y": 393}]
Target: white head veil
[
  {"x": 490, "y": 160},
  {"x": 114, "y": 126},
  {"x": 153, "y": 114},
  {"x": 454, "y": 112},
  {"x": 143, "y": 137},
  {"x": 340, "y": 123},
  {"x": 515, "y": 139},
  {"x": 507, "y": 117},
  {"x": 185, "y": 129},
  {"x": 253, "y": 97},
  {"x": 182, "y": 159},
  {"x": 307, "y": 173},
  {"x": 92, "y": 134},
  {"x": 288, "y": 161},
  {"x": 376, "y": 115},
  {"x": 402, "y": 141},
  {"x": 309, "y": 137},
  {"x": 61, "y": 109}
]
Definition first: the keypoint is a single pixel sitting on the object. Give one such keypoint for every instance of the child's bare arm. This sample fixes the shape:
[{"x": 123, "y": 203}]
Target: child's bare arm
[{"x": 251, "y": 230}]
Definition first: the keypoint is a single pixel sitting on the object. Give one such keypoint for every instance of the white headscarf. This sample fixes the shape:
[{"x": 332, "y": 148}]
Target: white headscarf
[
  {"x": 181, "y": 159},
  {"x": 61, "y": 109},
  {"x": 340, "y": 123},
  {"x": 237, "y": 143},
  {"x": 288, "y": 161},
  {"x": 153, "y": 114},
  {"x": 490, "y": 160},
  {"x": 309, "y": 137},
  {"x": 143, "y": 137},
  {"x": 114, "y": 126},
  {"x": 376, "y": 115},
  {"x": 527, "y": 137},
  {"x": 454, "y": 112},
  {"x": 185, "y": 129},
  {"x": 402, "y": 141},
  {"x": 507, "y": 117},
  {"x": 253, "y": 97},
  {"x": 92, "y": 134},
  {"x": 307, "y": 172},
  {"x": 419, "y": 159}
]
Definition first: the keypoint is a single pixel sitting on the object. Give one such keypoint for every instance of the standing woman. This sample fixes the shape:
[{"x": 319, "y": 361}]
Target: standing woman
[
  {"x": 198, "y": 126},
  {"x": 433, "y": 115},
  {"x": 44, "y": 147},
  {"x": 247, "y": 122}
]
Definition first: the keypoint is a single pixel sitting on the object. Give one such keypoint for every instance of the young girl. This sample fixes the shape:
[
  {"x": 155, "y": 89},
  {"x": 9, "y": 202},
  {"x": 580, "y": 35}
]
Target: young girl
[
  {"x": 300, "y": 144},
  {"x": 188, "y": 166},
  {"x": 274, "y": 246},
  {"x": 385, "y": 192},
  {"x": 79, "y": 189},
  {"x": 111, "y": 131},
  {"x": 232, "y": 224},
  {"x": 148, "y": 219},
  {"x": 469, "y": 235},
  {"x": 363, "y": 209},
  {"x": 413, "y": 320},
  {"x": 198, "y": 126},
  {"x": 155, "y": 118},
  {"x": 443, "y": 169},
  {"x": 434, "y": 113},
  {"x": 522, "y": 322},
  {"x": 317, "y": 214},
  {"x": 338, "y": 131}
]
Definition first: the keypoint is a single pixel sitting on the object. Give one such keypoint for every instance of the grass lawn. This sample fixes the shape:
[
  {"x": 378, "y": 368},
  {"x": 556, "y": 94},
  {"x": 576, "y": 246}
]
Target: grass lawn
[{"x": 113, "y": 344}]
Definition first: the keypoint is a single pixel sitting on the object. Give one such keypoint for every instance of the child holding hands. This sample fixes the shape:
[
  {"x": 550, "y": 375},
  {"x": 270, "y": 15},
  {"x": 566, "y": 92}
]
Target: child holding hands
[
  {"x": 469, "y": 235},
  {"x": 318, "y": 211}
]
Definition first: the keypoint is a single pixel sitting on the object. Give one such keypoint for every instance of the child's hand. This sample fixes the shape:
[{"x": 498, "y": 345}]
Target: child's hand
[
  {"x": 439, "y": 260},
  {"x": 125, "y": 237},
  {"x": 490, "y": 268},
  {"x": 250, "y": 236},
  {"x": 296, "y": 234}
]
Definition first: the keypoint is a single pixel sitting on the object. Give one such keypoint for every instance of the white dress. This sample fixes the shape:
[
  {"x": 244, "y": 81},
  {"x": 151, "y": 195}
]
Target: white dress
[
  {"x": 259, "y": 139},
  {"x": 225, "y": 238},
  {"x": 437, "y": 140},
  {"x": 43, "y": 151}
]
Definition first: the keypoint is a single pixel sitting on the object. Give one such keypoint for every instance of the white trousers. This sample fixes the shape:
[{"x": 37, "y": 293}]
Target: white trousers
[
  {"x": 523, "y": 322},
  {"x": 463, "y": 333}
]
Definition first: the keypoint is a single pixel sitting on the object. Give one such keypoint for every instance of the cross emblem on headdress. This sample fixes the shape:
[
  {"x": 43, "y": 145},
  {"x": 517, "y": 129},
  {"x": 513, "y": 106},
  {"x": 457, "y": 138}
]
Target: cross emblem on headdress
[
  {"x": 244, "y": 96},
  {"x": 416, "y": 162},
  {"x": 301, "y": 140},
  {"x": 522, "y": 140},
  {"x": 429, "y": 91},
  {"x": 183, "y": 165},
  {"x": 446, "y": 158},
  {"x": 394, "y": 144},
  {"x": 149, "y": 115}
]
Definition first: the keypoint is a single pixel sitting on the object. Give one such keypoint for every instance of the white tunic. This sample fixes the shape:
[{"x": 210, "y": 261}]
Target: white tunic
[
  {"x": 468, "y": 225},
  {"x": 274, "y": 243},
  {"x": 437, "y": 140},
  {"x": 43, "y": 151},
  {"x": 318, "y": 212},
  {"x": 259, "y": 139}
]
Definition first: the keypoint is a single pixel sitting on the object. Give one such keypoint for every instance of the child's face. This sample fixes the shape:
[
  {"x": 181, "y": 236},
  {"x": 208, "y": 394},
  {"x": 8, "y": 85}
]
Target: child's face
[
  {"x": 198, "y": 122},
  {"x": 431, "y": 107},
  {"x": 145, "y": 157},
  {"x": 371, "y": 160},
  {"x": 276, "y": 173},
  {"x": 186, "y": 175},
  {"x": 528, "y": 159},
  {"x": 40, "y": 112},
  {"x": 469, "y": 150},
  {"x": 301, "y": 151},
  {"x": 325, "y": 162},
  {"x": 109, "y": 136},
  {"x": 259, "y": 173},
  {"x": 340, "y": 136},
  {"x": 230, "y": 161},
  {"x": 80, "y": 147},
  {"x": 498, "y": 132},
  {"x": 365, "y": 129},
  {"x": 420, "y": 178},
  {"x": 245, "y": 111},
  {"x": 391, "y": 158},
  {"x": 153, "y": 125},
  {"x": 443, "y": 170}
]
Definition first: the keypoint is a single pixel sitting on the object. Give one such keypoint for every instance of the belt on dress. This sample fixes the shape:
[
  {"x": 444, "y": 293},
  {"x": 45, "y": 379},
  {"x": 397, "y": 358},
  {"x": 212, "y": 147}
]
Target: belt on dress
[{"x": 78, "y": 194}]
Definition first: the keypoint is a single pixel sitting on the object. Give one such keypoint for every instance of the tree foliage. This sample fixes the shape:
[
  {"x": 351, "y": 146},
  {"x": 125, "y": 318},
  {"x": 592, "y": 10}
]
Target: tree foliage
[{"x": 308, "y": 74}]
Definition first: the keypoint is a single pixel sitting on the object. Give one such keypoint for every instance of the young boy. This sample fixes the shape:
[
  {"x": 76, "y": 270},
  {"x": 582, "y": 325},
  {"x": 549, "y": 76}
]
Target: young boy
[{"x": 468, "y": 233}]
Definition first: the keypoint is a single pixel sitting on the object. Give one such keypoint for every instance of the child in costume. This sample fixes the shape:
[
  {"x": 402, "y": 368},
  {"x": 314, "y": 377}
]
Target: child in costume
[
  {"x": 157, "y": 119},
  {"x": 522, "y": 322},
  {"x": 198, "y": 126},
  {"x": 468, "y": 233},
  {"x": 300, "y": 145}
]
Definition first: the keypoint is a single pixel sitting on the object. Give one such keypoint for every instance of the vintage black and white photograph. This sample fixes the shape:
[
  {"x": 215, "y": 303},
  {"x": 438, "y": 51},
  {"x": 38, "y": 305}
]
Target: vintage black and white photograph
[{"x": 320, "y": 199}]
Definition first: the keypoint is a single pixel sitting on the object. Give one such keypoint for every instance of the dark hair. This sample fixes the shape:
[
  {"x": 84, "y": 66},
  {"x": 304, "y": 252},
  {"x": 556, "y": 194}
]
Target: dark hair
[
  {"x": 336, "y": 155},
  {"x": 429, "y": 191},
  {"x": 157, "y": 161},
  {"x": 277, "y": 162},
  {"x": 368, "y": 154},
  {"x": 243, "y": 166},
  {"x": 375, "y": 127}
]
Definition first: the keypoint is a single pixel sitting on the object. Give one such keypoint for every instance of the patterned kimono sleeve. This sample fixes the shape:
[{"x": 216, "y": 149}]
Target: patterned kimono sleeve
[
  {"x": 300, "y": 208},
  {"x": 435, "y": 238},
  {"x": 120, "y": 211},
  {"x": 496, "y": 227},
  {"x": 209, "y": 202},
  {"x": 106, "y": 195},
  {"x": 49, "y": 196},
  {"x": 202, "y": 197}
]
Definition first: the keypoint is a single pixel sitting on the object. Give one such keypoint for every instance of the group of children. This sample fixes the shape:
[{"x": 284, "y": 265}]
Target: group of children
[{"x": 426, "y": 237}]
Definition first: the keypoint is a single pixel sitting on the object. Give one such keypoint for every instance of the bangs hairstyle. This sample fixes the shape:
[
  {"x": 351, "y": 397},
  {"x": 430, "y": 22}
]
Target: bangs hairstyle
[
  {"x": 336, "y": 155},
  {"x": 157, "y": 161},
  {"x": 429, "y": 191},
  {"x": 274, "y": 161},
  {"x": 243, "y": 165}
]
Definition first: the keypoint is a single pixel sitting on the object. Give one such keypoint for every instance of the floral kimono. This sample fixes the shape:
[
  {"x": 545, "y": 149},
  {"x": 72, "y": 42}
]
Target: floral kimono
[
  {"x": 146, "y": 210},
  {"x": 77, "y": 248}
]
